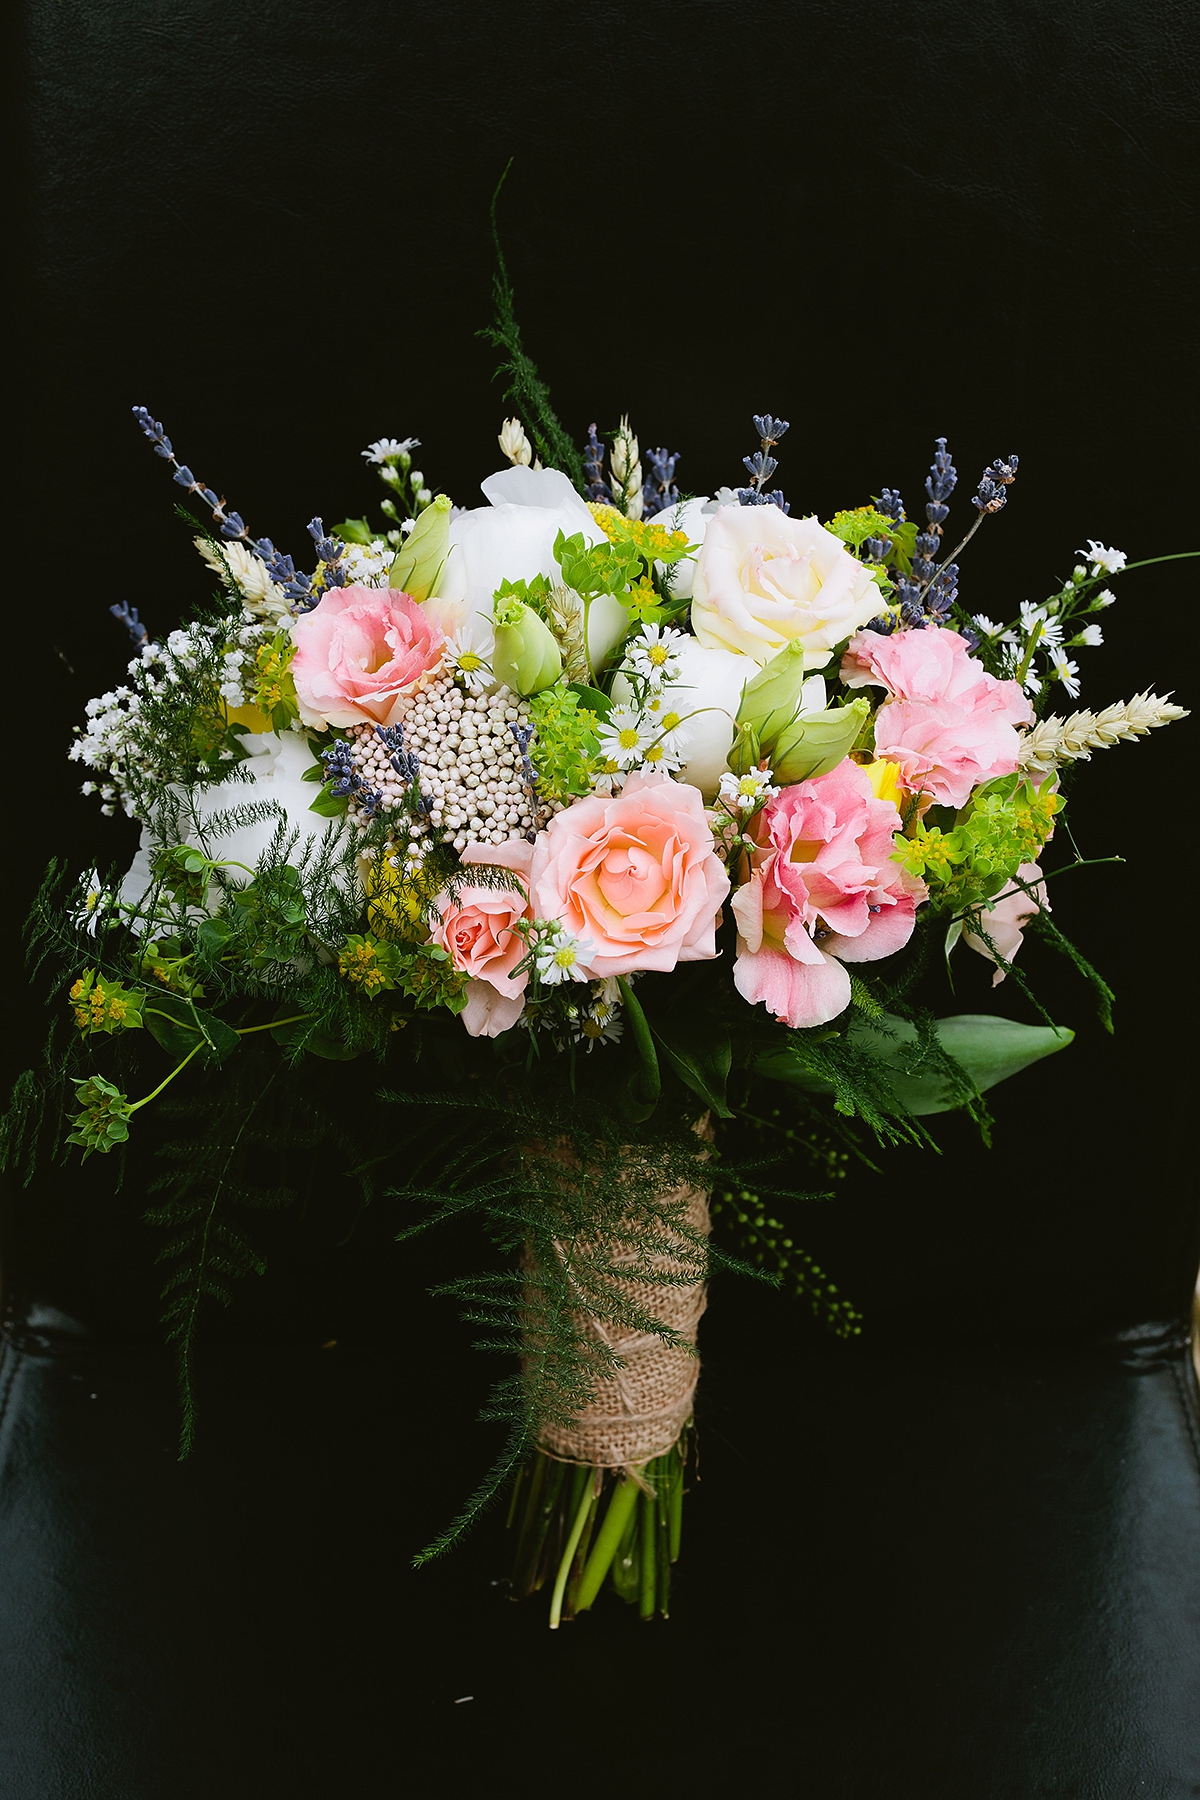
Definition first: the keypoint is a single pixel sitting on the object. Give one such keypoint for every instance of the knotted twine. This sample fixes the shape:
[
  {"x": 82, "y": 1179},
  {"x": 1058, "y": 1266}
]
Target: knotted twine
[{"x": 637, "y": 1411}]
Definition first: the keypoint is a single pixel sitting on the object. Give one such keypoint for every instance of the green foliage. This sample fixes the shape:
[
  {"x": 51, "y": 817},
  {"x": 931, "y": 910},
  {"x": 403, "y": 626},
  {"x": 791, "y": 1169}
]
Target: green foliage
[
  {"x": 105, "y": 1006},
  {"x": 565, "y": 746},
  {"x": 273, "y": 690},
  {"x": 1005, "y": 825},
  {"x": 102, "y": 1121},
  {"x": 591, "y": 569},
  {"x": 524, "y": 387},
  {"x": 859, "y": 523},
  {"x": 768, "y": 1243}
]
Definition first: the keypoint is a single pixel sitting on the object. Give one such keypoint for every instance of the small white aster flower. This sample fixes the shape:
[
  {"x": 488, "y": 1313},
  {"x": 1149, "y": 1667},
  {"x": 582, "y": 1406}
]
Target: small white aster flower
[
  {"x": 1091, "y": 636},
  {"x": 1062, "y": 669},
  {"x": 407, "y": 525},
  {"x": 985, "y": 626},
  {"x": 625, "y": 736},
  {"x": 1032, "y": 682},
  {"x": 1103, "y": 558},
  {"x": 661, "y": 758},
  {"x": 655, "y": 654},
  {"x": 597, "y": 1029},
  {"x": 1104, "y": 598},
  {"x": 561, "y": 957},
  {"x": 379, "y": 452},
  {"x": 747, "y": 791},
  {"x": 464, "y": 658}
]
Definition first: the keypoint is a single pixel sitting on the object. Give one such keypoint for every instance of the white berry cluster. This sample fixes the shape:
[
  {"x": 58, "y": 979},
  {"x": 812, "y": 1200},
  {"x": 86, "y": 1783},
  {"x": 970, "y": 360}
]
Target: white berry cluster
[{"x": 470, "y": 766}]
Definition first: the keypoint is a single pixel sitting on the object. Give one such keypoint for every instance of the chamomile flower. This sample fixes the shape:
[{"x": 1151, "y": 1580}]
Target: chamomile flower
[
  {"x": 661, "y": 757},
  {"x": 1104, "y": 560},
  {"x": 592, "y": 1029},
  {"x": 387, "y": 447},
  {"x": 464, "y": 658},
  {"x": 747, "y": 791},
  {"x": 1062, "y": 669},
  {"x": 986, "y": 627},
  {"x": 626, "y": 735},
  {"x": 560, "y": 957},
  {"x": 1049, "y": 629},
  {"x": 609, "y": 779},
  {"x": 655, "y": 654}
]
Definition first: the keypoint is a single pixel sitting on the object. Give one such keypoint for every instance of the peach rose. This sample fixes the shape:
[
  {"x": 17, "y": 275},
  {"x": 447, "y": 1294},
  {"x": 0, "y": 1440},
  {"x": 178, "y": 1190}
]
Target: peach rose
[
  {"x": 476, "y": 929},
  {"x": 636, "y": 875},
  {"x": 357, "y": 652}
]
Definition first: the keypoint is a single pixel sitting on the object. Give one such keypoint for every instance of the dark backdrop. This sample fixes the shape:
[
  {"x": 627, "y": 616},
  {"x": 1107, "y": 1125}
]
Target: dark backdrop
[{"x": 268, "y": 223}]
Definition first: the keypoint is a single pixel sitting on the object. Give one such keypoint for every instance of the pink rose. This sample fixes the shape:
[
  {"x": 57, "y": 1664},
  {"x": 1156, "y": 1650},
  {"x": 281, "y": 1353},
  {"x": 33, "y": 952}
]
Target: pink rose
[
  {"x": 477, "y": 931},
  {"x": 948, "y": 725},
  {"x": 637, "y": 875},
  {"x": 823, "y": 891},
  {"x": 1005, "y": 918},
  {"x": 358, "y": 651}
]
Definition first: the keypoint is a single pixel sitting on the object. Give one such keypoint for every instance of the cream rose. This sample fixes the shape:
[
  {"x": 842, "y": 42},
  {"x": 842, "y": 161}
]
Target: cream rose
[
  {"x": 636, "y": 876},
  {"x": 763, "y": 579}
]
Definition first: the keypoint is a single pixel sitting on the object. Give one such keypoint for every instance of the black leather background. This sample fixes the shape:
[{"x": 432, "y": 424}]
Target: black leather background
[{"x": 883, "y": 221}]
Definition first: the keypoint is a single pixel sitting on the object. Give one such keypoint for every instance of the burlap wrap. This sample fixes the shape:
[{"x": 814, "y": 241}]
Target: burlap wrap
[{"x": 638, "y": 1412}]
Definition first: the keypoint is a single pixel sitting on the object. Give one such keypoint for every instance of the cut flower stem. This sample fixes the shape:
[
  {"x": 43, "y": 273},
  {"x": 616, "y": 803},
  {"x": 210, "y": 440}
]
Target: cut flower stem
[{"x": 585, "y": 1525}]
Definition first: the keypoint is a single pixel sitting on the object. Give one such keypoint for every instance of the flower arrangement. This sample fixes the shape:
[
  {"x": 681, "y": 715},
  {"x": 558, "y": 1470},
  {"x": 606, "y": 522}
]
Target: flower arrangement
[{"x": 591, "y": 813}]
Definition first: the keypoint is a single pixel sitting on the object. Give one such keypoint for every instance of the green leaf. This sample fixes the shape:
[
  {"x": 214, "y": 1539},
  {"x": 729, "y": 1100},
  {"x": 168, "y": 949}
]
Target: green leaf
[
  {"x": 355, "y": 531},
  {"x": 990, "y": 1049},
  {"x": 328, "y": 807},
  {"x": 642, "y": 1095},
  {"x": 706, "y": 1074},
  {"x": 592, "y": 699},
  {"x": 176, "y": 1024}
]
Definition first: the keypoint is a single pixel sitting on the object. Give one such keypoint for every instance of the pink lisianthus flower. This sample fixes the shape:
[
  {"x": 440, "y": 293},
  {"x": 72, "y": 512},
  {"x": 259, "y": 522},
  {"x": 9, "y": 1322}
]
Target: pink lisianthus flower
[
  {"x": 948, "y": 725},
  {"x": 357, "y": 652},
  {"x": 476, "y": 929},
  {"x": 636, "y": 874},
  {"x": 1005, "y": 918},
  {"x": 823, "y": 891}
]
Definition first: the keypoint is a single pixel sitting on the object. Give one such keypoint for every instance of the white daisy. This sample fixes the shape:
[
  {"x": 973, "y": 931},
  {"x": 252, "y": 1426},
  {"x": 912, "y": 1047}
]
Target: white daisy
[
  {"x": 1104, "y": 598},
  {"x": 561, "y": 957},
  {"x": 1091, "y": 636},
  {"x": 1065, "y": 671},
  {"x": 464, "y": 658},
  {"x": 747, "y": 791},
  {"x": 986, "y": 627},
  {"x": 655, "y": 654},
  {"x": 388, "y": 447},
  {"x": 1103, "y": 558},
  {"x": 626, "y": 735}
]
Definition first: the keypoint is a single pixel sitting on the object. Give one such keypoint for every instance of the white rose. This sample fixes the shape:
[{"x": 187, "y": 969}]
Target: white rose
[
  {"x": 512, "y": 539},
  {"x": 763, "y": 579},
  {"x": 276, "y": 767},
  {"x": 706, "y": 697}
]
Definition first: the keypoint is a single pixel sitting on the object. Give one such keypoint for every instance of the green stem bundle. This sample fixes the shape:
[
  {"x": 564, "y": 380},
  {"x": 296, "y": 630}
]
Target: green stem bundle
[{"x": 578, "y": 1526}]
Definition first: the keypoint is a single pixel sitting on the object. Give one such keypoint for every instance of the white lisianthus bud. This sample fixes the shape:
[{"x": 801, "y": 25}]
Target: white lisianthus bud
[
  {"x": 514, "y": 444},
  {"x": 626, "y": 469}
]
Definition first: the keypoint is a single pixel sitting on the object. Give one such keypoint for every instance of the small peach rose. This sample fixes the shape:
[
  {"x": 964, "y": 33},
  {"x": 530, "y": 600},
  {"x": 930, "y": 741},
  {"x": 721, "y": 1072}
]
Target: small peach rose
[{"x": 637, "y": 875}]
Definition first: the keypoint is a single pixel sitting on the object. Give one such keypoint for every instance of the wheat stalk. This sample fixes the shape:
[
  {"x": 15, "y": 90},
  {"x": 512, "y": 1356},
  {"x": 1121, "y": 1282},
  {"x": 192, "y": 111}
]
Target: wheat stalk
[{"x": 1055, "y": 740}]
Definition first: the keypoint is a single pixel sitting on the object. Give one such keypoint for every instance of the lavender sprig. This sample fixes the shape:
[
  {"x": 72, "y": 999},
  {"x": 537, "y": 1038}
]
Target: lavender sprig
[
  {"x": 128, "y": 616},
  {"x": 593, "y": 469},
  {"x": 762, "y": 465},
  {"x": 230, "y": 525},
  {"x": 522, "y": 735},
  {"x": 659, "y": 491}
]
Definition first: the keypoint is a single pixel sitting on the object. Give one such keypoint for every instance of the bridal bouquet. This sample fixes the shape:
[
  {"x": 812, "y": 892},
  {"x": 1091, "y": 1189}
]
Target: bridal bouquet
[{"x": 596, "y": 816}]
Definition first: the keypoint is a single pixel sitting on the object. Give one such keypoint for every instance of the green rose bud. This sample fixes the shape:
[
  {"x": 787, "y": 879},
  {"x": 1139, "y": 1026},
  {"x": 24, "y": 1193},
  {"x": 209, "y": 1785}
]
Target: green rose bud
[
  {"x": 420, "y": 559},
  {"x": 526, "y": 657},
  {"x": 816, "y": 743},
  {"x": 771, "y": 700}
]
